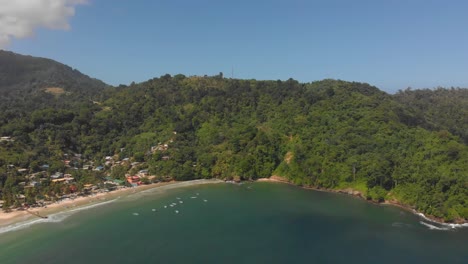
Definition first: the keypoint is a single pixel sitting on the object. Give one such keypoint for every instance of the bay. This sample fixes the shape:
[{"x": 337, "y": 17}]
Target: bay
[{"x": 229, "y": 223}]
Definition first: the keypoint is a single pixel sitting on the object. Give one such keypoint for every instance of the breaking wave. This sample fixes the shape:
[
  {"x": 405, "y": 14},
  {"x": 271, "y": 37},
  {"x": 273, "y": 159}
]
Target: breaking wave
[
  {"x": 439, "y": 226},
  {"x": 53, "y": 218},
  {"x": 433, "y": 227}
]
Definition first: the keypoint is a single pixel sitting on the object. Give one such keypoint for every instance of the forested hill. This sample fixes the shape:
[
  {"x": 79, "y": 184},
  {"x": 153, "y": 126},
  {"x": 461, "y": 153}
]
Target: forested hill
[
  {"x": 439, "y": 109},
  {"x": 327, "y": 134},
  {"x": 33, "y": 74},
  {"x": 29, "y": 83}
]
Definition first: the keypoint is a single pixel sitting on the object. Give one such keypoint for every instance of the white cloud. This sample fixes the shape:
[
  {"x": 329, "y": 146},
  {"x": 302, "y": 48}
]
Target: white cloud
[{"x": 19, "y": 18}]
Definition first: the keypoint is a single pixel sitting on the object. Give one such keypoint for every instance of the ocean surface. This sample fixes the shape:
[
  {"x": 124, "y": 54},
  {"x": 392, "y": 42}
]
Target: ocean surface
[{"x": 229, "y": 223}]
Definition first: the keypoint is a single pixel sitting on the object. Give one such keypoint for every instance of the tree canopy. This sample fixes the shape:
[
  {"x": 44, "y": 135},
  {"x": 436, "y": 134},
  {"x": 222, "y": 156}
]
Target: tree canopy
[{"x": 409, "y": 147}]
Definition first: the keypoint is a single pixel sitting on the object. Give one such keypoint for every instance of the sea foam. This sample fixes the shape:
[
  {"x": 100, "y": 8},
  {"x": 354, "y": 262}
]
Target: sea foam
[
  {"x": 433, "y": 227},
  {"x": 443, "y": 226},
  {"x": 53, "y": 218}
]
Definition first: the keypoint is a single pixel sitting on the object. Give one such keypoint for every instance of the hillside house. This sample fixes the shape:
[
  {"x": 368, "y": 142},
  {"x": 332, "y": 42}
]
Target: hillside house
[
  {"x": 68, "y": 178},
  {"x": 6, "y": 139},
  {"x": 143, "y": 173},
  {"x": 134, "y": 180},
  {"x": 34, "y": 184},
  {"x": 58, "y": 180},
  {"x": 56, "y": 175}
]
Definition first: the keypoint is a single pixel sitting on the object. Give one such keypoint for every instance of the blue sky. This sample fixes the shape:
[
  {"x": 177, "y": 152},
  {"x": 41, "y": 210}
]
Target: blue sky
[{"x": 391, "y": 44}]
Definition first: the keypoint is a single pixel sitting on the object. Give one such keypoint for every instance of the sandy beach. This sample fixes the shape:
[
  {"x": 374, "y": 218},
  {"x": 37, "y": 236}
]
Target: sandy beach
[
  {"x": 274, "y": 178},
  {"x": 17, "y": 216}
]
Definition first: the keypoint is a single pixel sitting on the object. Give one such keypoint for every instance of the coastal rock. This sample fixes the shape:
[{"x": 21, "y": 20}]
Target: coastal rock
[{"x": 351, "y": 192}]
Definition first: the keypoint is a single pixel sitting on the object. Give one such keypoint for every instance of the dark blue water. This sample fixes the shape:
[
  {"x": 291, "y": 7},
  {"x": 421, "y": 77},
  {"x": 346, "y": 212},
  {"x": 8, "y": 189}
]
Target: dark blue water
[{"x": 224, "y": 223}]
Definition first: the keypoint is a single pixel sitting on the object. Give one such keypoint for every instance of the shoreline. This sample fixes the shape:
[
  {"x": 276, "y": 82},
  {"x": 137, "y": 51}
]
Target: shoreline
[
  {"x": 17, "y": 218},
  {"x": 349, "y": 191}
]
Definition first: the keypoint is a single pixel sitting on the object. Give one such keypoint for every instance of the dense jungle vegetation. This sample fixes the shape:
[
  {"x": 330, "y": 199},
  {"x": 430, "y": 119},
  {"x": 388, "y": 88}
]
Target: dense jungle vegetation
[{"x": 410, "y": 147}]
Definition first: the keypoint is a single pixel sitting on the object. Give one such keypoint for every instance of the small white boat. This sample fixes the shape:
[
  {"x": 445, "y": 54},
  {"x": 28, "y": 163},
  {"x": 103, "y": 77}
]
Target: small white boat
[
  {"x": 205, "y": 200},
  {"x": 136, "y": 214},
  {"x": 176, "y": 211},
  {"x": 154, "y": 210},
  {"x": 181, "y": 202}
]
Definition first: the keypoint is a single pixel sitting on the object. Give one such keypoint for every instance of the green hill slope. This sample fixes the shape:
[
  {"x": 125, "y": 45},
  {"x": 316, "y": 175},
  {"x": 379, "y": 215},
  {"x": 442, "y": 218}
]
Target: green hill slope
[
  {"x": 29, "y": 83},
  {"x": 439, "y": 109},
  {"x": 327, "y": 134}
]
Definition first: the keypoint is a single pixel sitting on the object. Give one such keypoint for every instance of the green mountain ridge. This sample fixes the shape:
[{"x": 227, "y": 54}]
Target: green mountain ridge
[
  {"x": 439, "y": 109},
  {"x": 29, "y": 83},
  {"x": 326, "y": 134},
  {"x": 20, "y": 72}
]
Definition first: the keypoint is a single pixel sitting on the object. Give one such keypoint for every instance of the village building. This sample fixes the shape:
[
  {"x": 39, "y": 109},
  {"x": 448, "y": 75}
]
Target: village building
[
  {"x": 143, "y": 173},
  {"x": 99, "y": 168},
  {"x": 34, "y": 184},
  {"x": 58, "y": 180},
  {"x": 56, "y": 175},
  {"x": 6, "y": 139},
  {"x": 134, "y": 180}
]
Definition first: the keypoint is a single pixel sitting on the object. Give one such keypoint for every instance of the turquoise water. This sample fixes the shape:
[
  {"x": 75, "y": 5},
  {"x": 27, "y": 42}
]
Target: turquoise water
[{"x": 226, "y": 223}]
